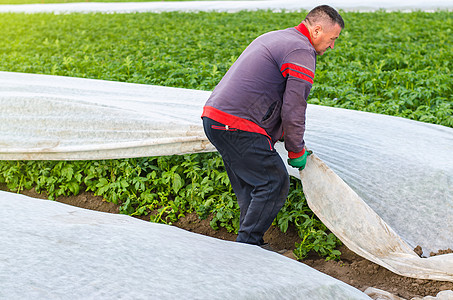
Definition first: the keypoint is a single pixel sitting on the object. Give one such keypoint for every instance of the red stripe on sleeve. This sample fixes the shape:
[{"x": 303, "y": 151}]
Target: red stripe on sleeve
[
  {"x": 297, "y": 75},
  {"x": 293, "y": 155},
  {"x": 298, "y": 68}
]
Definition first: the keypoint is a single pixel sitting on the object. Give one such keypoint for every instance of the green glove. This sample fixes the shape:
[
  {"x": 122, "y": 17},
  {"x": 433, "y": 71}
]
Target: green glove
[{"x": 299, "y": 162}]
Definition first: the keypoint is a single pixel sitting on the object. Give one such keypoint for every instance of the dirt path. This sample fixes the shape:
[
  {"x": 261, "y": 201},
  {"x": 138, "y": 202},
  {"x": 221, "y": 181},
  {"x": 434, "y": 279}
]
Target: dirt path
[{"x": 352, "y": 269}]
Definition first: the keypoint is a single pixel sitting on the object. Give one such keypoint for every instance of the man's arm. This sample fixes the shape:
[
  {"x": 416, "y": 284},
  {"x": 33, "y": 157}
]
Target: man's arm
[{"x": 299, "y": 70}]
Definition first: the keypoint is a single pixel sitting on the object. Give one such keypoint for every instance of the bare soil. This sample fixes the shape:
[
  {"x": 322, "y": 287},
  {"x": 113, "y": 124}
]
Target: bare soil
[{"x": 351, "y": 269}]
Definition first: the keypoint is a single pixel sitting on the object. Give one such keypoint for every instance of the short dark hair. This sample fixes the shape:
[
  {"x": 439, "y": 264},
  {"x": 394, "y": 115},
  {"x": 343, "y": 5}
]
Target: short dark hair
[{"x": 323, "y": 11}]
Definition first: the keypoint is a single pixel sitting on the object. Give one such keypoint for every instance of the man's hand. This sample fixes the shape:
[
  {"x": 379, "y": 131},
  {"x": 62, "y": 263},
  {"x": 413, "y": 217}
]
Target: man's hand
[{"x": 299, "y": 162}]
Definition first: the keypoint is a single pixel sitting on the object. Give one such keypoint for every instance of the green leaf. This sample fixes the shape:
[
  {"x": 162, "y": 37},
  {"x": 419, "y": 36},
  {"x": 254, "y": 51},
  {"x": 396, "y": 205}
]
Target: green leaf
[{"x": 177, "y": 183}]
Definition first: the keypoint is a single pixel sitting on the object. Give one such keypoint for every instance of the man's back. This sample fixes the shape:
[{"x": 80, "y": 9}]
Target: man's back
[{"x": 254, "y": 87}]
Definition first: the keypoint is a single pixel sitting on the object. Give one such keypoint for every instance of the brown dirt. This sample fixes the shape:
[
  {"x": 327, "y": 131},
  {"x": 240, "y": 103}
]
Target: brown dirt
[{"x": 351, "y": 269}]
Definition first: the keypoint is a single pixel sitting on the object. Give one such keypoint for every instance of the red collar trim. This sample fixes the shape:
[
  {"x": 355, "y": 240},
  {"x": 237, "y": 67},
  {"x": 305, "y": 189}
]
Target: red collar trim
[{"x": 304, "y": 30}]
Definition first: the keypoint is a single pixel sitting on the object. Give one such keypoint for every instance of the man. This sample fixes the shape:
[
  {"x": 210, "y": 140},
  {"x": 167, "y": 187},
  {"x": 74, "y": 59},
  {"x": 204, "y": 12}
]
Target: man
[{"x": 262, "y": 98}]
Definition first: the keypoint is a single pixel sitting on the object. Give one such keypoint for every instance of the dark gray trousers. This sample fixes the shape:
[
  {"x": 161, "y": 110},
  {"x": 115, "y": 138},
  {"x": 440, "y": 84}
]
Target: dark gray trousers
[{"x": 257, "y": 174}]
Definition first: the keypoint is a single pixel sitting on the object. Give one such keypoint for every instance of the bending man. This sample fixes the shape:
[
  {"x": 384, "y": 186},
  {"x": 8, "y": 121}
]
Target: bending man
[{"x": 262, "y": 98}]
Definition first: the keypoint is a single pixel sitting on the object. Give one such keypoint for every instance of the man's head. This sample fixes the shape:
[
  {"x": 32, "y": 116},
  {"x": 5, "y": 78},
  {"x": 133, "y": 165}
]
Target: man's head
[{"x": 324, "y": 24}]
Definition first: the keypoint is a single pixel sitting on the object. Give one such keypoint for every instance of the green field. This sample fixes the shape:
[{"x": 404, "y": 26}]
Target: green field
[{"x": 390, "y": 63}]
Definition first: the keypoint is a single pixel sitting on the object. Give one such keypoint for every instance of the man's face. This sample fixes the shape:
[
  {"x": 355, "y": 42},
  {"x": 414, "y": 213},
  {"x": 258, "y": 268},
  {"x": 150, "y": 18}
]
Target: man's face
[{"x": 324, "y": 37}]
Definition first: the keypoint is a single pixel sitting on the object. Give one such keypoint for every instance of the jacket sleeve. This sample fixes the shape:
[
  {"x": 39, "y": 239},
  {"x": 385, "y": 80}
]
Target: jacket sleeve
[{"x": 298, "y": 68}]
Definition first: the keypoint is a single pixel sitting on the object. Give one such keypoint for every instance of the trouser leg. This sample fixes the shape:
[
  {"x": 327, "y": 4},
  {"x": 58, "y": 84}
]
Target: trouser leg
[
  {"x": 242, "y": 191},
  {"x": 270, "y": 181},
  {"x": 258, "y": 177}
]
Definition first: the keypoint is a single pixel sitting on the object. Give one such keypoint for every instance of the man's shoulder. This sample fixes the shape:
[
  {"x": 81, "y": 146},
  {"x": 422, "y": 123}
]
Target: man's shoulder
[
  {"x": 289, "y": 37},
  {"x": 280, "y": 33},
  {"x": 286, "y": 41}
]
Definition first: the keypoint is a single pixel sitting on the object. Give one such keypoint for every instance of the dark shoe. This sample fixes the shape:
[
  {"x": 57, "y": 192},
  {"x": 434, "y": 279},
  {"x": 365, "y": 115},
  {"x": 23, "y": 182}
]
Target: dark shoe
[{"x": 267, "y": 246}]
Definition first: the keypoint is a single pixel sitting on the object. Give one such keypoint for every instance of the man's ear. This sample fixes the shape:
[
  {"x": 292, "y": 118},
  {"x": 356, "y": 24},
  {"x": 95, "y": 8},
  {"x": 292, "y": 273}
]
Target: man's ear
[{"x": 317, "y": 30}]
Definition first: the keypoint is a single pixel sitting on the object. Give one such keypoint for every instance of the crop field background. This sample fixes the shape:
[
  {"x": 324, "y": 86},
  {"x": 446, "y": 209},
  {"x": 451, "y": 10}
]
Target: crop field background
[{"x": 389, "y": 63}]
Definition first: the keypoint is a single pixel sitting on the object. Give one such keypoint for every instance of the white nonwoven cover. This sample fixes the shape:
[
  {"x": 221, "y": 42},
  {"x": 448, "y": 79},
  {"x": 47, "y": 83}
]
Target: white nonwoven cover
[
  {"x": 228, "y": 6},
  {"x": 55, "y": 117},
  {"x": 362, "y": 230},
  {"x": 51, "y": 250},
  {"x": 394, "y": 183}
]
